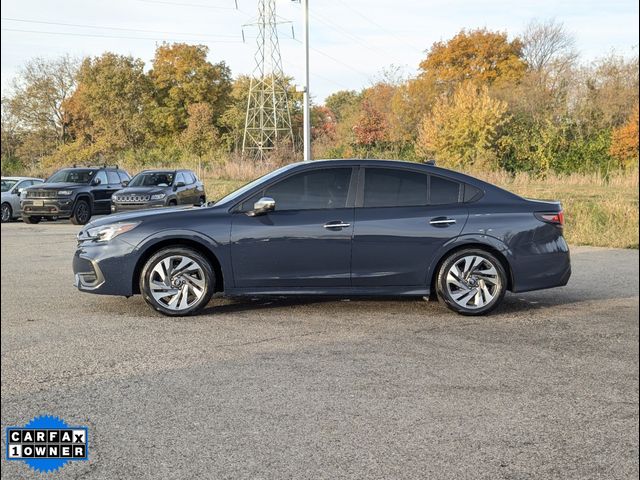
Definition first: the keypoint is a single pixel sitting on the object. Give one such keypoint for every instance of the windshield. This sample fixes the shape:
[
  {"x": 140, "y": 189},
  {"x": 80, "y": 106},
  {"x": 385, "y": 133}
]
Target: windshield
[
  {"x": 236, "y": 194},
  {"x": 8, "y": 184},
  {"x": 72, "y": 176},
  {"x": 152, "y": 179}
]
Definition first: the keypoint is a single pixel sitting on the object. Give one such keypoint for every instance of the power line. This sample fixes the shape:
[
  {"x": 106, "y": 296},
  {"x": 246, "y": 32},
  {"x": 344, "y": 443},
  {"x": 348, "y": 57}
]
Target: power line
[
  {"x": 72, "y": 34},
  {"x": 99, "y": 27},
  {"x": 195, "y": 5}
]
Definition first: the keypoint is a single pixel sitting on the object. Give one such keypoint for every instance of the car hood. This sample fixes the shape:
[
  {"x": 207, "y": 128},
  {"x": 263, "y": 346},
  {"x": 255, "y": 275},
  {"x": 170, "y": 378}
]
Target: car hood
[
  {"x": 140, "y": 215},
  {"x": 57, "y": 186},
  {"x": 141, "y": 191}
]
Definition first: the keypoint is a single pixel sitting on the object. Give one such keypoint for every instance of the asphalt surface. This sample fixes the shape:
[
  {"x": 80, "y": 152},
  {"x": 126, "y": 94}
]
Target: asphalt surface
[{"x": 325, "y": 388}]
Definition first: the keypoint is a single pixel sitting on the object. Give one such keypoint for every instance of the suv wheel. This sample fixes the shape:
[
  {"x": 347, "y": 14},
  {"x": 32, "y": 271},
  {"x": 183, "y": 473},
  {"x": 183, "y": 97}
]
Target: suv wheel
[
  {"x": 81, "y": 213},
  {"x": 471, "y": 282},
  {"x": 202, "y": 201},
  {"x": 172, "y": 203},
  {"x": 177, "y": 281},
  {"x": 7, "y": 213},
  {"x": 31, "y": 220}
]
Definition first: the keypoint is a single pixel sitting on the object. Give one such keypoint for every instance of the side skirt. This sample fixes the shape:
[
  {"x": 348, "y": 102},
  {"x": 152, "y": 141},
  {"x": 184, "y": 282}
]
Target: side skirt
[{"x": 396, "y": 291}]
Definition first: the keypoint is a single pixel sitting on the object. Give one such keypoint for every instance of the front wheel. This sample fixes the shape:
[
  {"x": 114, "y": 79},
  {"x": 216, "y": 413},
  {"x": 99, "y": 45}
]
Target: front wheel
[
  {"x": 81, "y": 213},
  {"x": 177, "y": 281},
  {"x": 471, "y": 282},
  {"x": 7, "y": 213}
]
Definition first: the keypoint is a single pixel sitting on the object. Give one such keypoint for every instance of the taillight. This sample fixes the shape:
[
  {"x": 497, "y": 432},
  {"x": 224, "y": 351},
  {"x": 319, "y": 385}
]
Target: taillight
[{"x": 555, "y": 218}]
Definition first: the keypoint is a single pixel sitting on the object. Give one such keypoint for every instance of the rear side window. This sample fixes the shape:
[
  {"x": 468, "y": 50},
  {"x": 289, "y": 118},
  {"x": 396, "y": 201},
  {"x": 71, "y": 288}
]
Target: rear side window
[
  {"x": 124, "y": 176},
  {"x": 443, "y": 191},
  {"x": 395, "y": 188},
  {"x": 191, "y": 178},
  {"x": 113, "y": 177}
]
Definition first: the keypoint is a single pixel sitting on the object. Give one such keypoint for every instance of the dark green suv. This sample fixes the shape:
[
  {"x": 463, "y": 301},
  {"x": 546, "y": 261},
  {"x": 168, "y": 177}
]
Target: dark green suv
[{"x": 76, "y": 193}]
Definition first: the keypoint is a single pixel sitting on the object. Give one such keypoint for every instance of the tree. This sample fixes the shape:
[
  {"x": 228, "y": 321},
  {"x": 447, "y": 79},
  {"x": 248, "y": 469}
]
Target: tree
[
  {"x": 370, "y": 128},
  {"x": 110, "y": 107},
  {"x": 340, "y": 101},
  {"x": 461, "y": 131},
  {"x": 478, "y": 55},
  {"x": 39, "y": 92},
  {"x": 547, "y": 46},
  {"x": 182, "y": 76},
  {"x": 201, "y": 136},
  {"x": 624, "y": 141}
]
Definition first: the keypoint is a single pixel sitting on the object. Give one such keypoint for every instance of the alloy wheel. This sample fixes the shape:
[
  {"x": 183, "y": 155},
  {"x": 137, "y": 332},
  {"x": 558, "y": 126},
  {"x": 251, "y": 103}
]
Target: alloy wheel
[
  {"x": 6, "y": 213},
  {"x": 473, "y": 282},
  {"x": 177, "y": 282}
]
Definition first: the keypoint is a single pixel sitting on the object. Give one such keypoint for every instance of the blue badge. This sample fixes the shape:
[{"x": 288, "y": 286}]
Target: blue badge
[{"x": 47, "y": 443}]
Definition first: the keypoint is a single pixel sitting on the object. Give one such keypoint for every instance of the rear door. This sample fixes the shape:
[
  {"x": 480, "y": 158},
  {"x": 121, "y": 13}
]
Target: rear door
[
  {"x": 402, "y": 218},
  {"x": 305, "y": 242},
  {"x": 182, "y": 189},
  {"x": 102, "y": 193}
]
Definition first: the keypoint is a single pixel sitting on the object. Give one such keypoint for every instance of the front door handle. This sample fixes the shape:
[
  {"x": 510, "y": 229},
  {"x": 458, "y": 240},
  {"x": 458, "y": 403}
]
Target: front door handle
[
  {"x": 442, "y": 221},
  {"x": 336, "y": 224}
]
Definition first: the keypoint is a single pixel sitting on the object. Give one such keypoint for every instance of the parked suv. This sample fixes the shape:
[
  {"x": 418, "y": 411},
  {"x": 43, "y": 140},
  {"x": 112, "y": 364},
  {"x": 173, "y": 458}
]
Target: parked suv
[
  {"x": 159, "y": 188},
  {"x": 76, "y": 193}
]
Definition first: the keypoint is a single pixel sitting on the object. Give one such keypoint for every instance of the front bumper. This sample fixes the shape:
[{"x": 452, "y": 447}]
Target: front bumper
[
  {"x": 47, "y": 207},
  {"x": 128, "y": 207},
  {"x": 104, "y": 268}
]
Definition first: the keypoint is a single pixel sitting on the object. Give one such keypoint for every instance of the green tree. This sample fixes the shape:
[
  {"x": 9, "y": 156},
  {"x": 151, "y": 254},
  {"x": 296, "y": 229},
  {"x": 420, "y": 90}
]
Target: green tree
[
  {"x": 201, "y": 136},
  {"x": 182, "y": 76}
]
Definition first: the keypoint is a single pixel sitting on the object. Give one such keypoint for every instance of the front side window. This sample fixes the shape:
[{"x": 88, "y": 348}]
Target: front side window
[
  {"x": 73, "y": 176},
  {"x": 152, "y": 179},
  {"x": 102, "y": 176},
  {"x": 319, "y": 189},
  {"x": 395, "y": 188},
  {"x": 8, "y": 184},
  {"x": 114, "y": 179},
  {"x": 180, "y": 178}
]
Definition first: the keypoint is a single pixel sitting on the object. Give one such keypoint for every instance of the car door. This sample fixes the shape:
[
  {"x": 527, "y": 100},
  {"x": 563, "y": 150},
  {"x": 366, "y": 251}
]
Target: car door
[
  {"x": 402, "y": 218},
  {"x": 15, "y": 195},
  {"x": 194, "y": 196},
  {"x": 101, "y": 193},
  {"x": 181, "y": 189},
  {"x": 305, "y": 242}
]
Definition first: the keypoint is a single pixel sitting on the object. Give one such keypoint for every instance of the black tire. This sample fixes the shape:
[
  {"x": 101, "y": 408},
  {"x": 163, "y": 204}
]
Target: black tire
[
  {"x": 81, "y": 213},
  {"x": 486, "y": 286},
  {"x": 31, "y": 220},
  {"x": 202, "y": 201},
  {"x": 172, "y": 203},
  {"x": 205, "y": 274},
  {"x": 7, "y": 213}
]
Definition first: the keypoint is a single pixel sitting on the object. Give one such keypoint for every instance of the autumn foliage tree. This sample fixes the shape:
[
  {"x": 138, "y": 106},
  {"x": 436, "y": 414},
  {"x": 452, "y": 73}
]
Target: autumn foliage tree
[
  {"x": 461, "y": 130},
  {"x": 370, "y": 127},
  {"x": 624, "y": 142}
]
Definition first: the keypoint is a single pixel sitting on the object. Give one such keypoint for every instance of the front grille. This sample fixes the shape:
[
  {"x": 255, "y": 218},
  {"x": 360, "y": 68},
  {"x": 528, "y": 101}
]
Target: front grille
[
  {"x": 42, "y": 194},
  {"x": 132, "y": 198}
]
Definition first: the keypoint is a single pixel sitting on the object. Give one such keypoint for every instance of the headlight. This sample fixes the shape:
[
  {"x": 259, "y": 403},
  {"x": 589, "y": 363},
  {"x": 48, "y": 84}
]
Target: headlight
[
  {"x": 158, "y": 196},
  {"x": 64, "y": 193},
  {"x": 104, "y": 233}
]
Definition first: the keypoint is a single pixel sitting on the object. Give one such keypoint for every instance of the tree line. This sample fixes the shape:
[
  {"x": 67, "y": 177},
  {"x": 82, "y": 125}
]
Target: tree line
[{"x": 480, "y": 100}]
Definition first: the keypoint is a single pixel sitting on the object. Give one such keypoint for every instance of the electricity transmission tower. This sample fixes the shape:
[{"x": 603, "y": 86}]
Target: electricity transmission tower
[{"x": 268, "y": 120}]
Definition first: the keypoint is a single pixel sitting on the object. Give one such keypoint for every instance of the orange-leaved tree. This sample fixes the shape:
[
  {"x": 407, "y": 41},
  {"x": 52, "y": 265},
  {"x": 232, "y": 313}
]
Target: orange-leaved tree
[{"x": 624, "y": 142}]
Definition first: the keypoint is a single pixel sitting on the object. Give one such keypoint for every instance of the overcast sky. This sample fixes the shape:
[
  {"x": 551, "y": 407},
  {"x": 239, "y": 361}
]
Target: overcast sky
[{"x": 352, "y": 40}]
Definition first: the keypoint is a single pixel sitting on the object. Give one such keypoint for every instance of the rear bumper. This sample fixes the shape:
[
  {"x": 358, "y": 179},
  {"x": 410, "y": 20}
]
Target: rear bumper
[
  {"x": 47, "y": 207},
  {"x": 546, "y": 265}
]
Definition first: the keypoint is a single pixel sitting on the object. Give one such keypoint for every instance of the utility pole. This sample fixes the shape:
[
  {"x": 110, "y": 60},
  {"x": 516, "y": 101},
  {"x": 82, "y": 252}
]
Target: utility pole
[
  {"x": 268, "y": 119},
  {"x": 306, "y": 114}
]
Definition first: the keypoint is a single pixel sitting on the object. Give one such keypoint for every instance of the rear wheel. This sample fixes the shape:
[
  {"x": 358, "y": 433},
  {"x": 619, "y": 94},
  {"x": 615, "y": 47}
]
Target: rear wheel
[
  {"x": 177, "y": 281},
  {"x": 471, "y": 282},
  {"x": 7, "y": 213},
  {"x": 172, "y": 203},
  {"x": 31, "y": 220},
  {"x": 81, "y": 213}
]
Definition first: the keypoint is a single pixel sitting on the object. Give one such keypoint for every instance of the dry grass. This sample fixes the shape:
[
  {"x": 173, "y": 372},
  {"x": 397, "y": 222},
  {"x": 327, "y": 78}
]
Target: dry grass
[{"x": 599, "y": 211}]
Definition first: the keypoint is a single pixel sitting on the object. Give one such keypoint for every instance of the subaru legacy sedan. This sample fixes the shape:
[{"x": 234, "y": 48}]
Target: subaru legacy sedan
[{"x": 333, "y": 228}]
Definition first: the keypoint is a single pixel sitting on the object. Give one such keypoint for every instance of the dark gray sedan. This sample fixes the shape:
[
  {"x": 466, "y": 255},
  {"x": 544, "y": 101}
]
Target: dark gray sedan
[
  {"x": 159, "y": 188},
  {"x": 338, "y": 228}
]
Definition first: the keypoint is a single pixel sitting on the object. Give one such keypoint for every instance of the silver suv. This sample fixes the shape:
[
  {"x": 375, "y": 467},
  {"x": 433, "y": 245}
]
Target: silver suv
[{"x": 11, "y": 189}]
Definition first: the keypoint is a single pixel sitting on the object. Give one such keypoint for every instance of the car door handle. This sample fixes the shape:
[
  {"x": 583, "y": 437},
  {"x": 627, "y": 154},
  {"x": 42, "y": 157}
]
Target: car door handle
[
  {"x": 336, "y": 224},
  {"x": 442, "y": 221}
]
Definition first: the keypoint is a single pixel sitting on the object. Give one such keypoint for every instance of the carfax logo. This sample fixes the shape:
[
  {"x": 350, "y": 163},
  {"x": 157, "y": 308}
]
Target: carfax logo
[{"x": 47, "y": 443}]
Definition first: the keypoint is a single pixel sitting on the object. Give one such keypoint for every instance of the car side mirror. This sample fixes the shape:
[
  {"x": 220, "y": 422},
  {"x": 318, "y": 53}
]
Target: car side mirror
[
  {"x": 125, "y": 183},
  {"x": 262, "y": 206},
  {"x": 96, "y": 181},
  {"x": 18, "y": 191}
]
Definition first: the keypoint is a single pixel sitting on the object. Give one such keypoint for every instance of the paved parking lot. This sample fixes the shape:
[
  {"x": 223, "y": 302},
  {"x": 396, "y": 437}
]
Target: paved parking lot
[{"x": 545, "y": 388}]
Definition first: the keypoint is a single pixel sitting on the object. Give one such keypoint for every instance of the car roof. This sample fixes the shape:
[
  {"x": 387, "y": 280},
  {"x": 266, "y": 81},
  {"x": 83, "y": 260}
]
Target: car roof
[{"x": 20, "y": 178}]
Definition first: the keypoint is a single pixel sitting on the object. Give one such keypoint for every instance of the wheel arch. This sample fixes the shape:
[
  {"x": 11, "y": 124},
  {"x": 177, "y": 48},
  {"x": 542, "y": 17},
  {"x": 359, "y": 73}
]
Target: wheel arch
[
  {"x": 83, "y": 196},
  {"x": 177, "y": 242},
  {"x": 471, "y": 243}
]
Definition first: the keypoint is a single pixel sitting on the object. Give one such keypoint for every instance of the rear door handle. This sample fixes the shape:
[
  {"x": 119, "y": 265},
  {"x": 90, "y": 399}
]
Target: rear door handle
[
  {"x": 336, "y": 224},
  {"x": 442, "y": 221}
]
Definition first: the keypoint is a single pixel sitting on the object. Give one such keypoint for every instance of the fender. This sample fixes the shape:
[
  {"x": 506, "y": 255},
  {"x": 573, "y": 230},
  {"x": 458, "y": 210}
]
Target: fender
[
  {"x": 462, "y": 240},
  {"x": 218, "y": 249}
]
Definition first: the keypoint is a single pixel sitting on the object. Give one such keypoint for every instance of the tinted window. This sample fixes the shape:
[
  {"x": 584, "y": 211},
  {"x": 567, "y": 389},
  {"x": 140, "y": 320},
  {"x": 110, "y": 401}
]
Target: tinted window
[
  {"x": 152, "y": 179},
  {"x": 114, "y": 179},
  {"x": 444, "y": 191},
  {"x": 102, "y": 176},
  {"x": 394, "y": 188},
  {"x": 471, "y": 193},
  {"x": 73, "y": 176},
  {"x": 318, "y": 189}
]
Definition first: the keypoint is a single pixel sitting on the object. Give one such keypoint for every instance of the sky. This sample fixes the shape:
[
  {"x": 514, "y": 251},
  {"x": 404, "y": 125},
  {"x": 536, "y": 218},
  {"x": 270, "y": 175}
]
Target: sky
[{"x": 352, "y": 41}]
